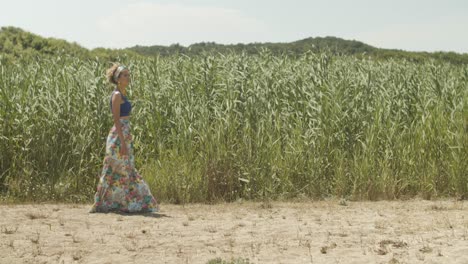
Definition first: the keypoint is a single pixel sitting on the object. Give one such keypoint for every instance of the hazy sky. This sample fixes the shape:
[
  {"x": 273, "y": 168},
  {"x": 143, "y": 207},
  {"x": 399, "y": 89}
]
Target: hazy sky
[{"x": 416, "y": 25}]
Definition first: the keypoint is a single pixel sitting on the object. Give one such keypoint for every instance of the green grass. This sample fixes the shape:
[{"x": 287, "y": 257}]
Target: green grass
[
  {"x": 233, "y": 261},
  {"x": 222, "y": 127}
]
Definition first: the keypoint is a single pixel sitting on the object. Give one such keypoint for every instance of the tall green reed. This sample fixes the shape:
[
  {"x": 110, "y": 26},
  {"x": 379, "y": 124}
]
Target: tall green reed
[{"x": 223, "y": 127}]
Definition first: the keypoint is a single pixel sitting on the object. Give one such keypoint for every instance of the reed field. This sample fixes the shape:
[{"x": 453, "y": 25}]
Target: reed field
[{"x": 223, "y": 127}]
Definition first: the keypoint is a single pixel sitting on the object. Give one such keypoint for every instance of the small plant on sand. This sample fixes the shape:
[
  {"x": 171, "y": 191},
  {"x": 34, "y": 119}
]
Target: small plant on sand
[{"x": 232, "y": 261}]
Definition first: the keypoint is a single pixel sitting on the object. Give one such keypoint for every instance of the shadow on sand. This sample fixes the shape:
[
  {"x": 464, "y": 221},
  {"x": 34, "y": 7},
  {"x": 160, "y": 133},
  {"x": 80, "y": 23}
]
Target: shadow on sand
[{"x": 145, "y": 214}]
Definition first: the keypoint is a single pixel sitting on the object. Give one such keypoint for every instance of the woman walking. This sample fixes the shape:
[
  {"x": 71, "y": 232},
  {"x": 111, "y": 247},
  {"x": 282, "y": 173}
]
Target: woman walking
[{"x": 121, "y": 188}]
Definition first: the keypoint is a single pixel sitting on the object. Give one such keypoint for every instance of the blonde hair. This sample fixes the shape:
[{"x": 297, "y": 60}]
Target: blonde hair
[{"x": 110, "y": 73}]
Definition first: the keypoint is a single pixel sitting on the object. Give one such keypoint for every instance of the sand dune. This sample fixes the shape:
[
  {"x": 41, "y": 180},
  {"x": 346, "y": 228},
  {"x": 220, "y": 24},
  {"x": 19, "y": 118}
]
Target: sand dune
[{"x": 413, "y": 231}]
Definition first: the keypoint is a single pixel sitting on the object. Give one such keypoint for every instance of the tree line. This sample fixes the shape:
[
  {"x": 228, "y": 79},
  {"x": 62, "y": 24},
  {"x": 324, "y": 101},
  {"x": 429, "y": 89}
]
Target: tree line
[{"x": 15, "y": 42}]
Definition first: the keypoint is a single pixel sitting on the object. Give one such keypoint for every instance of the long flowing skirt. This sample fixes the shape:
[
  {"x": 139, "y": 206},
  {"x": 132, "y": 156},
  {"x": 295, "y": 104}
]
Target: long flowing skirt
[{"x": 121, "y": 188}]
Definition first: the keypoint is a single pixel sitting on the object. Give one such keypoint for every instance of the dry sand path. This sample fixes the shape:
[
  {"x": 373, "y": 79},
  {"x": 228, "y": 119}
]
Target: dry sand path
[{"x": 414, "y": 231}]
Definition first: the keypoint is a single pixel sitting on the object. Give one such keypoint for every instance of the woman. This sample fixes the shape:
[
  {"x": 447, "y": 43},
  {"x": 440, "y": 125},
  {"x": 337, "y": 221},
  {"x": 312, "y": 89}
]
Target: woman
[{"x": 121, "y": 188}]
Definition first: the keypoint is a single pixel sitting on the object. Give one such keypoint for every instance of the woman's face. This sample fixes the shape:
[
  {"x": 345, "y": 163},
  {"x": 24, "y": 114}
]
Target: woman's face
[{"x": 124, "y": 78}]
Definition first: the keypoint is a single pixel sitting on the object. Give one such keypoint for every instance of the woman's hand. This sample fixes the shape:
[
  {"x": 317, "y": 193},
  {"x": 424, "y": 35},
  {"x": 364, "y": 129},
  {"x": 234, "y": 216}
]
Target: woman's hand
[{"x": 123, "y": 150}]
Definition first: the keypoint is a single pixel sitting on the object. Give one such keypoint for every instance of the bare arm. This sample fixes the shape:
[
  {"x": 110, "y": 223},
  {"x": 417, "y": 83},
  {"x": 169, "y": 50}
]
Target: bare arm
[{"x": 116, "y": 101}]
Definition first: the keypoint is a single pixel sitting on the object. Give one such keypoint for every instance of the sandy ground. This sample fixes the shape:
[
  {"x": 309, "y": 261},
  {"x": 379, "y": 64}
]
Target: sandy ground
[{"x": 412, "y": 231}]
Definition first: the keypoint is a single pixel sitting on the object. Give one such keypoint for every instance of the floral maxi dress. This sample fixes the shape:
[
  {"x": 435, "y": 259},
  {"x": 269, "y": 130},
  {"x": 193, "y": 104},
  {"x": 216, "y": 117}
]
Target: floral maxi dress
[{"x": 121, "y": 188}]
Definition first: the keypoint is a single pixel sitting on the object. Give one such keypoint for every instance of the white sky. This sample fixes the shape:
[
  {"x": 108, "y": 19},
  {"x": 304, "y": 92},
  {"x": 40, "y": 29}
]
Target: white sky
[{"x": 415, "y": 25}]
